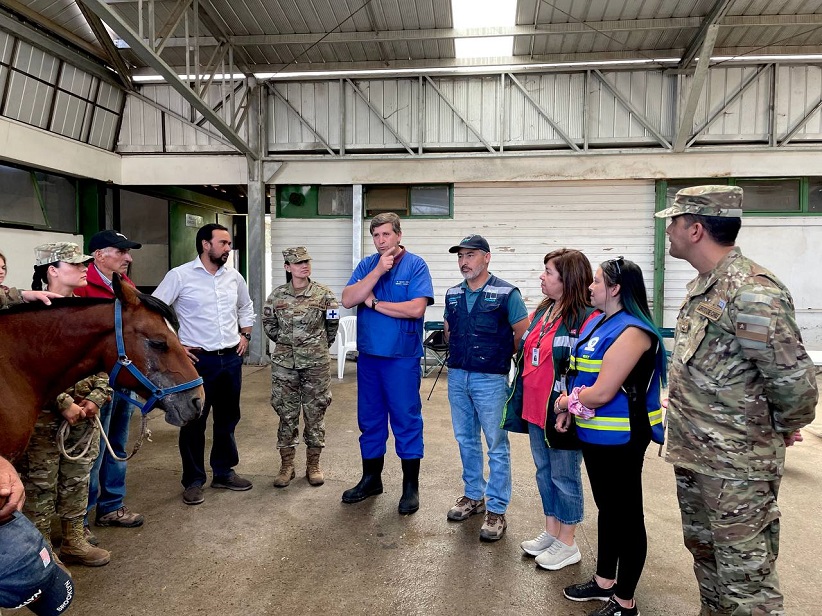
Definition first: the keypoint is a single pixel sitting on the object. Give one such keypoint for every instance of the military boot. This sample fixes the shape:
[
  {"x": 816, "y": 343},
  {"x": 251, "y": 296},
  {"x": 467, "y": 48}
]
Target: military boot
[
  {"x": 370, "y": 484},
  {"x": 410, "y": 500},
  {"x": 312, "y": 466},
  {"x": 286, "y": 473},
  {"x": 76, "y": 550}
]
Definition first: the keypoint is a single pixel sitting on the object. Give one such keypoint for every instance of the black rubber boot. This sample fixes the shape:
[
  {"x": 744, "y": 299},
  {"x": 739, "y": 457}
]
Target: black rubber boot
[
  {"x": 370, "y": 484},
  {"x": 410, "y": 500}
]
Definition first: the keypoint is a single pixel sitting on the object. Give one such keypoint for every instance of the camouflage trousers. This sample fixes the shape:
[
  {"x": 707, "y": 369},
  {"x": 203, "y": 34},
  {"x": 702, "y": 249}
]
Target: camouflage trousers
[
  {"x": 55, "y": 485},
  {"x": 731, "y": 527},
  {"x": 308, "y": 389}
]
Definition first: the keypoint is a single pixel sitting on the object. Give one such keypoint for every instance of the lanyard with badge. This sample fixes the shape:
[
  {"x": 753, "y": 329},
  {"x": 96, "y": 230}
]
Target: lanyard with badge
[{"x": 546, "y": 327}]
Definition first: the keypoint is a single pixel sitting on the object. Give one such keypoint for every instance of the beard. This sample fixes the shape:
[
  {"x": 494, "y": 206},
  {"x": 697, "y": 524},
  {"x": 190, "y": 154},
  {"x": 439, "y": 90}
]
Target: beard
[{"x": 218, "y": 259}]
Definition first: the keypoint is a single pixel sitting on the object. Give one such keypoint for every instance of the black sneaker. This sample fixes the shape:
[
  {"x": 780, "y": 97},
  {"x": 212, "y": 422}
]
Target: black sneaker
[
  {"x": 587, "y": 591},
  {"x": 193, "y": 495},
  {"x": 612, "y": 608},
  {"x": 232, "y": 482}
]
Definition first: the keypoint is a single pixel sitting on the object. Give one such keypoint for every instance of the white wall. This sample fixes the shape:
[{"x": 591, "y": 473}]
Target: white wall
[
  {"x": 789, "y": 247},
  {"x": 18, "y": 246}
]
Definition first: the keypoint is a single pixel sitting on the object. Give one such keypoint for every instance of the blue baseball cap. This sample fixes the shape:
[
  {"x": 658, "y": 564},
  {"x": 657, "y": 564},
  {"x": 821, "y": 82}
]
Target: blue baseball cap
[{"x": 30, "y": 577}]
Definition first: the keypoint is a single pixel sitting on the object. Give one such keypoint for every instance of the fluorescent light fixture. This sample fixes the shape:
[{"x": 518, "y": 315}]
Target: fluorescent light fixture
[{"x": 484, "y": 14}]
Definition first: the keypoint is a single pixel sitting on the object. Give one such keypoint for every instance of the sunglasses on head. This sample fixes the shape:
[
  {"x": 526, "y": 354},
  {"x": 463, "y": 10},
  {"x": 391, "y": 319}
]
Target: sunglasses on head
[{"x": 616, "y": 266}]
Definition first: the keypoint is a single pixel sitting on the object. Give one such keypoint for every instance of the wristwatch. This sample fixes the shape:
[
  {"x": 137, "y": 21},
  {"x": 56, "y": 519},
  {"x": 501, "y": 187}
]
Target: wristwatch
[
  {"x": 374, "y": 303},
  {"x": 246, "y": 335}
]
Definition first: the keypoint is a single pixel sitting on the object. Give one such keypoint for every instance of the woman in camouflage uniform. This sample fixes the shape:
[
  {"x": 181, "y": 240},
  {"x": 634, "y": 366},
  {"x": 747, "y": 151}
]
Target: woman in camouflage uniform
[
  {"x": 301, "y": 317},
  {"x": 54, "y": 484}
]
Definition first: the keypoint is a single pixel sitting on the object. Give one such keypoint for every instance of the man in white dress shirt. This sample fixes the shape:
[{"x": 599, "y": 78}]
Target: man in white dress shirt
[{"x": 216, "y": 316}]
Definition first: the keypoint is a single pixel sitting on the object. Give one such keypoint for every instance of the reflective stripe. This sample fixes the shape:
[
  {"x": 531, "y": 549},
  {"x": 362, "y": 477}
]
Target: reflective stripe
[
  {"x": 581, "y": 364},
  {"x": 618, "y": 424},
  {"x": 655, "y": 417}
]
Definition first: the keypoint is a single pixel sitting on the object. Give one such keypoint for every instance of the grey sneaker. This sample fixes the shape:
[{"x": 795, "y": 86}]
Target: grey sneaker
[
  {"x": 559, "y": 555},
  {"x": 464, "y": 508},
  {"x": 537, "y": 545},
  {"x": 232, "y": 482},
  {"x": 494, "y": 526},
  {"x": 193, "y": 495},
  {"x": 123, "y": 516}
]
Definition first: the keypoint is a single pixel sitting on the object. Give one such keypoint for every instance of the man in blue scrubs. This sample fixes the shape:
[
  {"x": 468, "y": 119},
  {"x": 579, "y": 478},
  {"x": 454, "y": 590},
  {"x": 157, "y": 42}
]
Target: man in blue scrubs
[{"x": 391, "y": 290}]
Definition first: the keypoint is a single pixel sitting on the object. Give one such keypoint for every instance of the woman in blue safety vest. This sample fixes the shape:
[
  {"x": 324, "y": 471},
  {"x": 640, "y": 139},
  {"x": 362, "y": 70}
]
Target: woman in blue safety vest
[{"x": 616, "y": 374}]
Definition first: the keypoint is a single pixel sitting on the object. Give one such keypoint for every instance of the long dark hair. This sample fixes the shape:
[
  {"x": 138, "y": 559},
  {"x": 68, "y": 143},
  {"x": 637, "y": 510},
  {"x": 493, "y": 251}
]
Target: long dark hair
[
  {"x": 634, "y": 298},
  {"x": 574, "y": 271},
  {"x": 41, "y": 276}
]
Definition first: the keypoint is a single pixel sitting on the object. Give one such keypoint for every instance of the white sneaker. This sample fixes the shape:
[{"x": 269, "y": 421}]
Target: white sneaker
[
  {"x": 538, "y": 545},
  {"x": 559, "y": 555}
]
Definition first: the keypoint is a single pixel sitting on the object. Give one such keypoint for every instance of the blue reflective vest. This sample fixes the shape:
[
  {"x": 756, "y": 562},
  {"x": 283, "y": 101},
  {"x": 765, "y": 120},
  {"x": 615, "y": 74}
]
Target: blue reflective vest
[
  {"x": 612, "y": 425},
  {"x": 482, "y": 340}
]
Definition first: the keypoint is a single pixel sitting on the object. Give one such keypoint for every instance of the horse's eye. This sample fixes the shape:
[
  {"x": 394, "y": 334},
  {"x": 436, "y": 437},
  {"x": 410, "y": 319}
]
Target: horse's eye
[{"x": 158, "y": 344}]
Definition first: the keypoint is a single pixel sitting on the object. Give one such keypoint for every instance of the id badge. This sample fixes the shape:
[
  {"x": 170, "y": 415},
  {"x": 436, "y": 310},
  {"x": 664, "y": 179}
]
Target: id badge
[{"x": 535, "y": 357}]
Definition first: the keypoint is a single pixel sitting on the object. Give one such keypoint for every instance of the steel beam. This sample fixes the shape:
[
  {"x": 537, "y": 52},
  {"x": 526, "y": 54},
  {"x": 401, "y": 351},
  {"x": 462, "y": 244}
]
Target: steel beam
[
  {"x": 459, "y": 115},
  {"x": 686, "y": 122},
  {"x": 29, "y": 35},
  {"x": 742, "y": 89},
  {"x": 171, "y": 25},
  {"x": 713, "y": 18},
  {"x": 634, "y": 111},
  {"x": 114, "y": 57},
  {"x": 302, "y": 120},
  {"x": 377, "y": 113},
  {"x": 799, "y": 125},
  {"x": 107, "y": 14},
  {"x": 567, "y": 139}
]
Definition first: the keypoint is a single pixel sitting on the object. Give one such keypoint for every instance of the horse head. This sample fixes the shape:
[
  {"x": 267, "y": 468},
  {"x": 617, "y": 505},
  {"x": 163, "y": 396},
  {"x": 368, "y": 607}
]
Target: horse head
[{"x": 150, "y": 348}]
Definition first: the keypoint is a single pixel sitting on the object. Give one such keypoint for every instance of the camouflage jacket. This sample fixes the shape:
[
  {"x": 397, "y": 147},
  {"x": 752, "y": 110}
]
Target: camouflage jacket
[
  {"x": 9, "y": 297},
  {"x": 94, "y": 388},
  {"x": 740, "y": 378},
  {"x": 303, "y": 324}
]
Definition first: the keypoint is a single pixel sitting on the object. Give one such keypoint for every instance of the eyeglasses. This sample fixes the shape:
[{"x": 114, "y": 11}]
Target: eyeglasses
[{"x": 616, "y": 264}]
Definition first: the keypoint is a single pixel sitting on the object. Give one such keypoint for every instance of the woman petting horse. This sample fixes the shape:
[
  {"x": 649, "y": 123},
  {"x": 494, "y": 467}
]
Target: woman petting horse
[
  {"x": 56, "y": 484},
  {"x": 617, "y": 371}
]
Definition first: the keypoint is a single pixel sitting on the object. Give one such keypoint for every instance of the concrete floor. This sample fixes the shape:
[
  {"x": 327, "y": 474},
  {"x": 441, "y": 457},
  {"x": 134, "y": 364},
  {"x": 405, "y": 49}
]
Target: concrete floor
[{"x": 299, "y": 550}]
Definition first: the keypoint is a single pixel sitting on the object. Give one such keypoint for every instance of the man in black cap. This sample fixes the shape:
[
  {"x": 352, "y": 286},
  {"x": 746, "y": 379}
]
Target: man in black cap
[
  {"x": 29, "y": 574},
  {"x": 107, "y": 485},
  {"x": 485, "y": 319}
]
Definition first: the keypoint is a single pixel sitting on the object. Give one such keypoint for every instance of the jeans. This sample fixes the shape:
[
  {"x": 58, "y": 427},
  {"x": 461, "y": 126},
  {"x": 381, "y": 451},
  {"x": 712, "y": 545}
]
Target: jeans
[
  {"x": 107, "y": 484},
  {"x": 558, "y": 478},
  {"x": 222, "y": 379},
  {"x": 476, "y": 400},
  {"x": 388, "y": 389}
]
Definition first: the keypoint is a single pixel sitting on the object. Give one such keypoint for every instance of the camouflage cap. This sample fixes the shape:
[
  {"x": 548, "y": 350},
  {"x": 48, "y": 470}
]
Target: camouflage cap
[
  {"x": 711, "y": 200},
  {"x": 66, "y": 252},
  {"x": 296, "y": 254}
]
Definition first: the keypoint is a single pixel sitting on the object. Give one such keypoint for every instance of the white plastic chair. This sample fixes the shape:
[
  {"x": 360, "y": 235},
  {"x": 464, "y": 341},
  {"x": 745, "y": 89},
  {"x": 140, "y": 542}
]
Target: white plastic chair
[{"x": 346, "y": 341}]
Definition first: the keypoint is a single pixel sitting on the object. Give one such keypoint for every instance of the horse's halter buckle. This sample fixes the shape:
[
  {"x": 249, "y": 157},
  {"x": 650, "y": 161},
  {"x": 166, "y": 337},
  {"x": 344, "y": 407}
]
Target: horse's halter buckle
[{"x": 124, "y": 362}]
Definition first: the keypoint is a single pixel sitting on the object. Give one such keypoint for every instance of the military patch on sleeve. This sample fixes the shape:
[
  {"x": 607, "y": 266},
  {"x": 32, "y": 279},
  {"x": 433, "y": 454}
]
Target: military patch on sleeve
[
  {"x": 709, "y": 311},
  {"x": 752, "y": 327},
  {"x": 332, "y": 314},
  {"x": 266, "y": 311}
]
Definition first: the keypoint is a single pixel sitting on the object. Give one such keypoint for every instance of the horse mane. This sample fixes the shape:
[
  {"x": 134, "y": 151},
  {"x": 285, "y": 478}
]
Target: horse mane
[
  {"x": 158, "y": 305},
  {"x": 149, "y": 301}
]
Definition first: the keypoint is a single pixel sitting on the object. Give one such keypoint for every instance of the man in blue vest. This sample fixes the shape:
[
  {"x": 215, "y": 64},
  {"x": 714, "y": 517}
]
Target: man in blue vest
[
  {"x": 485, "y": 319},
  {"x": 391, "y": 290}
]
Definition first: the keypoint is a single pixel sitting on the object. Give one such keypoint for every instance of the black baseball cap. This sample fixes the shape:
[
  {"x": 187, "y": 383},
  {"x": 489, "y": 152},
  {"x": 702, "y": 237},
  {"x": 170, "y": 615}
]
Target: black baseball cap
[
  {"x": 472, "y": 241},
  {"x": 110, "y": 237},
  {"x": 30, "y": 577}
]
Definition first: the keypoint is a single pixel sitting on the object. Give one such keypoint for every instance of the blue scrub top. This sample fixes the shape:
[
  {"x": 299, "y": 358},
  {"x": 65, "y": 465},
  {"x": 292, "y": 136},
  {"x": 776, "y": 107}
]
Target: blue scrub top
[{"x": 384, "y": 336}]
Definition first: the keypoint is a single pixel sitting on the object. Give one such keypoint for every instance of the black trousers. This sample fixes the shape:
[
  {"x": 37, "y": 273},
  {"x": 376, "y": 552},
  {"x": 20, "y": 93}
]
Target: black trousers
[
  {"x": 615, "y": 473},
  {"x": 222, "y": 380}
]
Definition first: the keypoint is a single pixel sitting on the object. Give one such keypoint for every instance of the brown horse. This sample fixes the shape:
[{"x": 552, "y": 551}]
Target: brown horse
[{"x": 46, "y": 349}]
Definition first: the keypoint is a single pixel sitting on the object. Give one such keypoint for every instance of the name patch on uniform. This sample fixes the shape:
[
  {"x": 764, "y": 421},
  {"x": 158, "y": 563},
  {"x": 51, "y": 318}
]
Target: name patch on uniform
[{"x": 709, "y": 311}]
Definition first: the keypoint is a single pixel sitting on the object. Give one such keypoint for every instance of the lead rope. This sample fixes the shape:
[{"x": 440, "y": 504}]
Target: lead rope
[{"x": 86, "y": 440}]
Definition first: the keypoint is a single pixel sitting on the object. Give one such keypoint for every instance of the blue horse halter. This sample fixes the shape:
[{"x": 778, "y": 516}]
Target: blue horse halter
[{"x": 157, "y": 393}]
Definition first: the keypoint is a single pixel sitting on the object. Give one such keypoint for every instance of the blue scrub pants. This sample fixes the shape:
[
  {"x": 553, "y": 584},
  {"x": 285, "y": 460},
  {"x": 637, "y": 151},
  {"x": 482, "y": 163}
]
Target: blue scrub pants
[{"x": 388, "y": 389}]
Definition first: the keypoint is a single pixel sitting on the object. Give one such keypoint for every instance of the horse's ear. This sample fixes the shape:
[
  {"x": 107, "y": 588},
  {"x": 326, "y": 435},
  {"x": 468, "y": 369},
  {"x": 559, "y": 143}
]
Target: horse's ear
[{"x": 124, "y": 292}]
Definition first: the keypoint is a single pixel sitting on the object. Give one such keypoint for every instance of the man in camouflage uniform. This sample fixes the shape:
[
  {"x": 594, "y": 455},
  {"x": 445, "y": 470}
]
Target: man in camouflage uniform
[
  {"x": 301, "y": 317},
  {"x": 741, "y": 386},
  {"x": 11, "y": 297}
]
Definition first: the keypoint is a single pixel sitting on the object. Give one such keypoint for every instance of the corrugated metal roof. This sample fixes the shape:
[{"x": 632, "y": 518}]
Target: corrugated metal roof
[{"x": 380, "y": 33}]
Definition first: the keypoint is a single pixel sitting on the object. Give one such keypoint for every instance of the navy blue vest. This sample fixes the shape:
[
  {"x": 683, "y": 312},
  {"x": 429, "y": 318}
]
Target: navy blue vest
[{"x": 482, "y": 340}]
